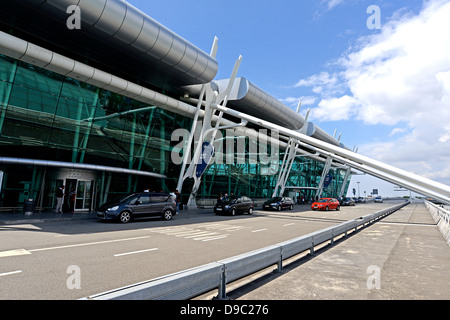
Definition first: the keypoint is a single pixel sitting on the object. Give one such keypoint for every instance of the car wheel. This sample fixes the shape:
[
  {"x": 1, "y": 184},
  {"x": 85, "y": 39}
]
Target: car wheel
[
  {"x": 291, "y": 207},
  {"x": 168, "y": 214},
  {"x": 125, "y": 216},
  {"x": 338, "y": 208},
  {"x": 326, "y": 208},
  {"x": 233, "y": 212},
  {"x": 250, "y": 210},
  {"x": 279, "y": 208}
]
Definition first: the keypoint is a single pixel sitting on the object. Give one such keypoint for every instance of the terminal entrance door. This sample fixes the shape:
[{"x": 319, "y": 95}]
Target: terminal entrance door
[
  {"x": 83, "y": 199},
  {"x": 83, "y": 190}
]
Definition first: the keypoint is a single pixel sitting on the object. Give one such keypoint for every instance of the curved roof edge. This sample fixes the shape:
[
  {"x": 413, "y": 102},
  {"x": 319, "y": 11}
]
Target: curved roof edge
[
  {"x": 61, "y": 164},
  {"x": 248, "y": 98},
  {"x": 119, "y": 23}
]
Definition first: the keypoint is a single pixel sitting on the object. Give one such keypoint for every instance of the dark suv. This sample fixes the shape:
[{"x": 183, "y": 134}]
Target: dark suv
[
  {"x": 234, "y": 205},
  {"x": 135, "y": 205},
  {"x": 278, "y": 203}
]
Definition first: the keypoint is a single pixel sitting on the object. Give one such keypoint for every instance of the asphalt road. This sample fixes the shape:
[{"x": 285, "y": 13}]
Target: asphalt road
[{"x": 75, "y": 259}]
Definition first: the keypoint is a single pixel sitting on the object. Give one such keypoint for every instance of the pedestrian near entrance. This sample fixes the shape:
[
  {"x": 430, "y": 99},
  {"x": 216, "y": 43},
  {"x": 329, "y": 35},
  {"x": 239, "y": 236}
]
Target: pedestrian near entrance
[
  {"x": 72, "y": 196},
  {"x": 59, "y": 198},
  {"x": 177, "y": 199}
]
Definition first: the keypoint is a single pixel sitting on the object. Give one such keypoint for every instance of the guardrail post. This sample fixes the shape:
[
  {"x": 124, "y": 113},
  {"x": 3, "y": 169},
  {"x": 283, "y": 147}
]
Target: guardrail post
[
  {"x": 311, "y": 250},
  {"x": 280, "y": 261},
  {"x": 222, "y": 293}
]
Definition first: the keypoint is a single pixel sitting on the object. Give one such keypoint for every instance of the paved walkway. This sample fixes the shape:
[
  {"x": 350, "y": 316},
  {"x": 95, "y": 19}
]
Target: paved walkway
[
  {"x": 19, "y": 217},
  {"x": 51, "y": 215},
  {"x": 403, "y": 256}
]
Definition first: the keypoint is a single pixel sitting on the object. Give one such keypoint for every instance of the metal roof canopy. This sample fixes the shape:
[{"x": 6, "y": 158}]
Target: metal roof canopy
[
  {"x": 114, "y": 36},
  {"x": 61, "y": 164},
  {"x": 25, "y": 51}
]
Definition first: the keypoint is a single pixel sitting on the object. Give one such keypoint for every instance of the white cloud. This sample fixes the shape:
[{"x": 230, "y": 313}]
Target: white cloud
[
  {"x": 396, "y": 131},
  {"x": 446, "y": 135},
  {"x": 403, "y": 75},
  {"x": 400, "y": 75},
  {"x": 334, "y": 109},
  {"x": 321, "y": 79},
  {"x": 322, "y": 83},
  {"x": 333, "y": 3},
  {"x": 402, "y": 72},
  {"x": 293, "y": 101}
]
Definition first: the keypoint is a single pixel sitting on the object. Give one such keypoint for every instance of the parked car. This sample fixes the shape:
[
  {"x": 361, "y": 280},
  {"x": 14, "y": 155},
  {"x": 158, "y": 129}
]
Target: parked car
[
  {"x": 234, "y": 205},
  {"x": 326, "y": 204},
  {"x": 378, "y": 199},
  {"x": 278, "y": 203},
  {"x": 347, "y": 202},
  {"x": 136, "y": 205},
  {"x": 360, "y": 200}
]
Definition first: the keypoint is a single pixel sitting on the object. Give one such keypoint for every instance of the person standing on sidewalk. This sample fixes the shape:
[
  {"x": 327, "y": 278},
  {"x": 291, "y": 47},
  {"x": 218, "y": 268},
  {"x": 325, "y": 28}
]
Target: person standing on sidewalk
[
  {"x": 177, "y": 199},
  {"x": 59, "y": 199},
  {"x": 72, "y": 197}
]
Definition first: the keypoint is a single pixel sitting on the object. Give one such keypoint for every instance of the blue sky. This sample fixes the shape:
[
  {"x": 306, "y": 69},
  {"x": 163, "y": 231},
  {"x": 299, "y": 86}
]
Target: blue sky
[{"x": 387, "y": 90}]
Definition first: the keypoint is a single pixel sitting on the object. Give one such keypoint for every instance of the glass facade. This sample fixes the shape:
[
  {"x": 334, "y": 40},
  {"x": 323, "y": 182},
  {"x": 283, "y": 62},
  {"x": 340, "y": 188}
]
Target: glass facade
[
  {"x": 47, "y": 116},
  {"x": 246, "y": 179}
]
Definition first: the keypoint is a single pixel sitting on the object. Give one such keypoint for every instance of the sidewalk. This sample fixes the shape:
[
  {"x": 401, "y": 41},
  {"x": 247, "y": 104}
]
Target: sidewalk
[
  {"x": 403, "y": 256},
  {"x": 20, "y": 217},
  {"x": 51, "y": 215}
]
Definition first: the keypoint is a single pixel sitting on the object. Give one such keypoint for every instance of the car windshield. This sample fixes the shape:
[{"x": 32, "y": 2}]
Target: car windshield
[
  {"x": 123, "y": 198},
  {"x": 276, "y": 199},
  {"x": 234, "y": 199},
  {"x": 322, "y": 200}
]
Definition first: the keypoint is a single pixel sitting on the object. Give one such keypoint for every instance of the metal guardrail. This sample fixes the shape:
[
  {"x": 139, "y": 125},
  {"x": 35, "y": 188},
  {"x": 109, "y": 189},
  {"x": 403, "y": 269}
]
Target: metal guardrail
[
  {"x": 193, "y": 282},
  {"x": 442, "y": 218}
]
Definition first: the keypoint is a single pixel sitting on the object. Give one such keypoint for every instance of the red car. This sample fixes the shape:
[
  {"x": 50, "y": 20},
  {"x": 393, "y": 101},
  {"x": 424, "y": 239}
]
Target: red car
[{"x": 326, "y": 204}]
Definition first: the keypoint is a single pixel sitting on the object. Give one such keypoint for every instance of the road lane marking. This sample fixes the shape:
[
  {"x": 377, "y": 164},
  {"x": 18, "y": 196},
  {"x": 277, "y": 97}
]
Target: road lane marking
[
  {"x": 167, "y": 229},
  {"x": 10, "y": 273},
  {"x": 289, "y": 224},
  {"x": 259, "y": 230},
  {"x": 224, "y": 227},
  {"x": 11, "y": 253},
  {"x": 133, "y": 252},
  {"x": 232, "y": 228},
  {"x": 213, "y": 226},
  {"x": 87, "y": 244},
  {"x": 181, "y": 233},
  {"x": 203, "y": 234},
  {"x": 213, "y": 238}
]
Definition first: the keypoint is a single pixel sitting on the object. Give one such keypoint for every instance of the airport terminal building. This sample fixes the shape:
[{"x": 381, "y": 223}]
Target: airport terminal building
[{"x": 91, "y": 93}]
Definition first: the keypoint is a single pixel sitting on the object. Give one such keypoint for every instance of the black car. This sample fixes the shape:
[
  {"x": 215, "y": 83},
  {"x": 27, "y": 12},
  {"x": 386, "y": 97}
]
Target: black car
[
  {"x": 234, "y": 205},
  {"x": 347, "y": 202},
  {"x": 135, "y": 205},
  {"x": 278, "y": 203}
]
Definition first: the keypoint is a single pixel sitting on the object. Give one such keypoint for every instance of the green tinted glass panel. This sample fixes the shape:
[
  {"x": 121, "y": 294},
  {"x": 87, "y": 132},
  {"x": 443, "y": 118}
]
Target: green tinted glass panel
[
  {"x": 31, "y": 99},
  {"x": 7, "y": 69},
  {"x": 38, "y": 79}
]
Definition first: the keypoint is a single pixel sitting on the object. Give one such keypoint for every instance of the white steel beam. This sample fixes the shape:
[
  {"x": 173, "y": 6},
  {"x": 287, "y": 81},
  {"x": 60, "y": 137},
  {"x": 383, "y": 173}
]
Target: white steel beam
[{"x": 386, "y": 171}]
